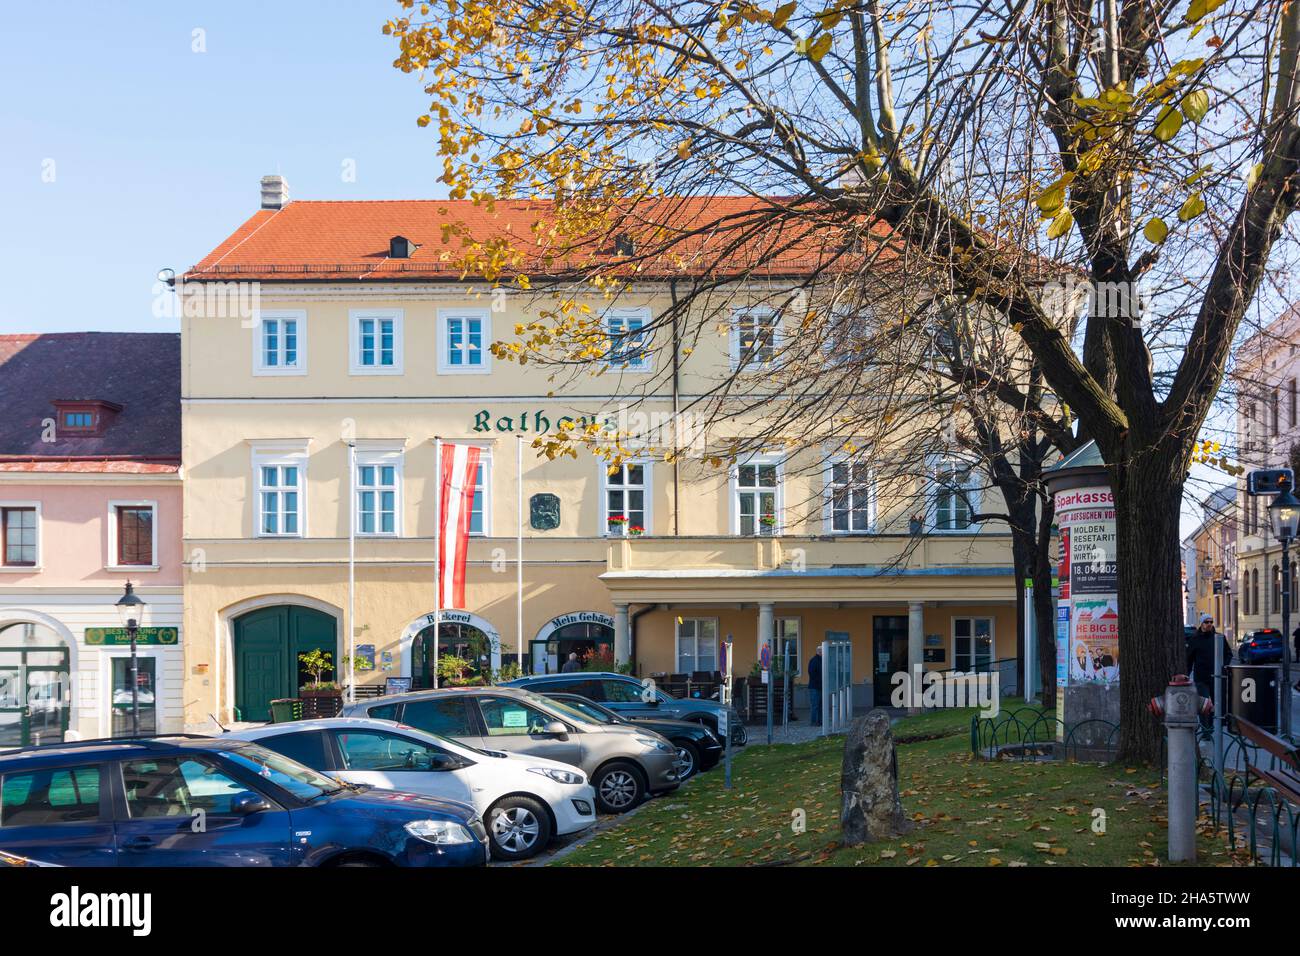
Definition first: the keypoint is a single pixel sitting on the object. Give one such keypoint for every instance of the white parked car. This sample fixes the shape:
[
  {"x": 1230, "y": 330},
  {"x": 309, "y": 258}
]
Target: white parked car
[{"x": 525, "y": 801}]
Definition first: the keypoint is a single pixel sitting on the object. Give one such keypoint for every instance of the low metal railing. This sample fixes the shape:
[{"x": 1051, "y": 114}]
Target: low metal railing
[{"x": 1237, "y": 792}]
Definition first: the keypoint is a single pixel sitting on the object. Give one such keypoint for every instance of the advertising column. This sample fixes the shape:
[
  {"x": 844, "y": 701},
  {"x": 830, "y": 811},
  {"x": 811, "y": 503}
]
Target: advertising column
[{"x": 1088, "y": 618}]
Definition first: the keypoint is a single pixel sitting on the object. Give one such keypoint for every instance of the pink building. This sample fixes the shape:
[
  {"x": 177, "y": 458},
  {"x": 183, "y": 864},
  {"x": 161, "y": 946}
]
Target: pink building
[{"x": 90, "y": 498}]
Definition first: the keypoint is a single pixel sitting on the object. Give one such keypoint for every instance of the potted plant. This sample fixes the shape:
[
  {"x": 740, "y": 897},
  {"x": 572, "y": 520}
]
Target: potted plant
[
  {"x": 321, "y": 698},
  {"x": 768, "y": 521},
  {"x": 635, "y": 531},
  {"x": 357, "y": 665},
  {"x": 453, "y": 671},
  {"x": 617, "y": 523}
]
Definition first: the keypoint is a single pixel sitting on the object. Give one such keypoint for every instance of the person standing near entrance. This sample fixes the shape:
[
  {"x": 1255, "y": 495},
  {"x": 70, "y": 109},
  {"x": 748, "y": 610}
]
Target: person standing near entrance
[
  {"x": 815, "y": 688},
  {"x": 572, "y": 664},
  {"x": 1200, "y": 661}
]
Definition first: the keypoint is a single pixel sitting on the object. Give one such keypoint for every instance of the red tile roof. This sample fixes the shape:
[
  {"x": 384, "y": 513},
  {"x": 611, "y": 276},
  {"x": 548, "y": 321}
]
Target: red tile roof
[
  {"x": 140, "y": 371},
  {"x": 312, "y": 241}
]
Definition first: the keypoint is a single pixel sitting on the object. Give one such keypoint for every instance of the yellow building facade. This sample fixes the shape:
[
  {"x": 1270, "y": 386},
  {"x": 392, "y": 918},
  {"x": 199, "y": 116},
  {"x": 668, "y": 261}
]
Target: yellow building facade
[{"x": 338, "y": 357}]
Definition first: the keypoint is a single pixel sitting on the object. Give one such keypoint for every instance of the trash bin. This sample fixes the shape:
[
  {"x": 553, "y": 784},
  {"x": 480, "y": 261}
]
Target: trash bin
[
  {"x": 1262, "y": 710},
  {"x": 286, "y": 710}
]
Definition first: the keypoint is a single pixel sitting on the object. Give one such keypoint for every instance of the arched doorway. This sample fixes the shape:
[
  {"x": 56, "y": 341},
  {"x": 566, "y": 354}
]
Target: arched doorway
[
  {"x": 582, "y": 632},
  {"x": 266, "y": 645},
  {"x": 35, "y": 693},
  {"x": 455, "y": 639}
]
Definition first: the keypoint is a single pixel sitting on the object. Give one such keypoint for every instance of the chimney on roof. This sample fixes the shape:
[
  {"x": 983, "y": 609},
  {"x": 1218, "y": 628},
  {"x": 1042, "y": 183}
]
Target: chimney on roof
[{"x": 275, "y": 192}]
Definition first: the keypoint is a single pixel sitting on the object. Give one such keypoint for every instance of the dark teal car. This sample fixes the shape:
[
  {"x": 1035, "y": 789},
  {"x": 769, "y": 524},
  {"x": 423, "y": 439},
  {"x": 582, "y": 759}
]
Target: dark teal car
[{"x": 204, "y": 801}]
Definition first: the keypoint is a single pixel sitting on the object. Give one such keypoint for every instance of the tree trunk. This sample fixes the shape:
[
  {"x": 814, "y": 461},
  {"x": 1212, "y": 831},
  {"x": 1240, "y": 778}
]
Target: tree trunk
[
  {"x": 1022, "y": 560},
  {"x": 1044, "y": 608},
  {"x": 1148, "y": 503}
]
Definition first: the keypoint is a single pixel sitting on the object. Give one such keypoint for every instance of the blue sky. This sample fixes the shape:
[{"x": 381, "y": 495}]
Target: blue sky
[
  {"x": 157, "y": 150},
  {"x": 125, "y": 150}
]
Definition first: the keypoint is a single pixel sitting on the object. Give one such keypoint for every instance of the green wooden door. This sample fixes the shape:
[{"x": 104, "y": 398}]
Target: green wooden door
[{"x": 267, "y": 645}]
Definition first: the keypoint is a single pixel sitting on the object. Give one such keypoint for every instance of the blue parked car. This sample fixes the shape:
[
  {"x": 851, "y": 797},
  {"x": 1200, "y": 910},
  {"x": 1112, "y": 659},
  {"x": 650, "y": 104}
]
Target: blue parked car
[
  {"x": 1264, "y": 646},
  {"x": 207, "y": 801}
]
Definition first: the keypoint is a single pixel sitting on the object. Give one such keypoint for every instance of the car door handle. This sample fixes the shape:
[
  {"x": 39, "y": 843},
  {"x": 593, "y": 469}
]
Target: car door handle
[{"x": 138, "y": 843}]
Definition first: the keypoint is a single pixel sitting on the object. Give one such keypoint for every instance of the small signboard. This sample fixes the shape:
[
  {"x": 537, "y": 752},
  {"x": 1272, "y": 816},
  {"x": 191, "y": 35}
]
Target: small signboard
[
  {"x": 397, "y": 685},
  {"x": 111, "y": 636},
  {"x": 722, "y": 724}
]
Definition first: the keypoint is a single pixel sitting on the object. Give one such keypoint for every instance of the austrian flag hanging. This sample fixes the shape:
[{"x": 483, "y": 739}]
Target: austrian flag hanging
[{"x": 459, "y": 468}]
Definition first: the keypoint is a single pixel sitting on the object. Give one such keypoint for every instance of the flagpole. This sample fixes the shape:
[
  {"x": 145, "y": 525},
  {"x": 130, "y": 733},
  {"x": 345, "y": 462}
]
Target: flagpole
[
  {"x": 352, "y": 572},
  {"x": 437, "y": 554},
  {"x": 519, "y": 553}
]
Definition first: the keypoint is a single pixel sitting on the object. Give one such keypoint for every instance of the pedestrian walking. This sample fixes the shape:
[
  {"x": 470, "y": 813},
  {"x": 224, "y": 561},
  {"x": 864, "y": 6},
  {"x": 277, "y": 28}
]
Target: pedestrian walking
[{"x": 1200, "y": 662}]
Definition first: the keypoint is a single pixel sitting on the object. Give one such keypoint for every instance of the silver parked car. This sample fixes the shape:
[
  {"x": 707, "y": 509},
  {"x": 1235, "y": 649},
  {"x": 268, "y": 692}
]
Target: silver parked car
[{"x": 624, "y": 762}]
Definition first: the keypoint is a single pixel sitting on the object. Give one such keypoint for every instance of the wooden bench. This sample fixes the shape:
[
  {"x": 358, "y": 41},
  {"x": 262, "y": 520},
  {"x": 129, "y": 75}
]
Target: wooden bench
[
  {"x": 368, "y": 691},
  {"x": 1286, "y": 778}
]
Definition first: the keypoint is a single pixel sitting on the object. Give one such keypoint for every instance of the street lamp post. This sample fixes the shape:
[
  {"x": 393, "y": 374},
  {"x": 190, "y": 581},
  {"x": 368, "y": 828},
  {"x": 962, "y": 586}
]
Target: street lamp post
[
  {"x": 130, "y": 608},
  {"x": 1284, "y": 513}
]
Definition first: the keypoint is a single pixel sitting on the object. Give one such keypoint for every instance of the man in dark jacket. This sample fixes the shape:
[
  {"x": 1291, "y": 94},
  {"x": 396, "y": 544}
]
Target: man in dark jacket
[
  {"x": 1200, "y": 661},
  {"x": 815, "y": 688}
]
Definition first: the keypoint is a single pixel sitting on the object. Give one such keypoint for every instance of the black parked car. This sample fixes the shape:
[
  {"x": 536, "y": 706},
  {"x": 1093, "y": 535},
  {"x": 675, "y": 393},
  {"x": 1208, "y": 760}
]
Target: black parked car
[{"x": 698, "y": 749}]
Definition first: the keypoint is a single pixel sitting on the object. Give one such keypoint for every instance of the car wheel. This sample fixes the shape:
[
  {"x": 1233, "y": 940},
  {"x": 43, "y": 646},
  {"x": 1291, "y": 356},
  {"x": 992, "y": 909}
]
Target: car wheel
[
  {"x": 619, "y": 787},
  {"x": 518, "y": 828},
  {"x": 690, "y": 759}
]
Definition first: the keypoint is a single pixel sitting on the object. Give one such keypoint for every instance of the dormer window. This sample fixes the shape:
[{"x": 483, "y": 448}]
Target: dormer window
[
  {"x": 88, "y": 418},
  {"x": 399, "y": 247}
]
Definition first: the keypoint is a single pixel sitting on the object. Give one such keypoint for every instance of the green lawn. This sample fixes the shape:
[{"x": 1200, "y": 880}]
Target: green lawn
[{"x": 966, "y": 811}]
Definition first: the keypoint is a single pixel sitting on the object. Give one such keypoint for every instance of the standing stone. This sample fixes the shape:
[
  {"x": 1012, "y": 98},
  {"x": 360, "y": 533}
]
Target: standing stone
[{"x": 870, "y": 807}]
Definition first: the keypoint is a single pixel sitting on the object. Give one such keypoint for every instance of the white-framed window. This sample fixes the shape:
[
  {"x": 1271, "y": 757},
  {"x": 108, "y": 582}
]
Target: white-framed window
[
  {"x": 280, "y": 343},
  {"x": 697, "y": 644},
  {"x": 847, "y": 335},
  {"x": 464, "y": 337},
  {"x": 756, "y": 499},
  {"x": 20, "y": 536},
  {"x": 132, "y": 536},
  {"x": 789, "y": 643},
  {"x": 480, "y": 513},
  {"x": 628, "y": 339},
  {"x": 115, "y": 674},
  {"x": 850, "y": 506},
  {"x": 379, "y": 491},
  {"x": 755, "y": 336},
  {"x": 955, "y": 495},
  {"x": 376, "y": 341},
  {"x": 972, "y": 643},
  {"x": 280, "y": 487},
  {"x": 625, "y": 499}
]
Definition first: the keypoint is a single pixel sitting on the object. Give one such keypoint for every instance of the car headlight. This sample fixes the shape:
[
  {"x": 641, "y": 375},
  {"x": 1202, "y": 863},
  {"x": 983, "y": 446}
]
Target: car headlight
[
  {"x": 441, "y": 832},
  {"x": 660, "y": 745},
  {"x": 560, "y": 776}
]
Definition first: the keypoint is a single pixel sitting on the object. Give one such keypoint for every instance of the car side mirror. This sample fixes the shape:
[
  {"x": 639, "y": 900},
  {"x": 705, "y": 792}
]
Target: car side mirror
[
  {"x": 246, "y": 803},
  {"x": 558, "y": 729}
]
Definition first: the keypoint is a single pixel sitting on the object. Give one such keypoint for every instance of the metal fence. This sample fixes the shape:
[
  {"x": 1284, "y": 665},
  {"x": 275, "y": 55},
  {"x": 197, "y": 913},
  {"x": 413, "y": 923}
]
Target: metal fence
[
  {"x": 1027, "y": 733},
  {"x": 1237, "y": 797}
]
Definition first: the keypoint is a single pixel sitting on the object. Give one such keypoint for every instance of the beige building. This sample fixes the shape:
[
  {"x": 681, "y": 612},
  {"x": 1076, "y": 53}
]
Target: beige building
[
  {"x": 345, "y": 325},
  {"x": 1267, "y": 368}
]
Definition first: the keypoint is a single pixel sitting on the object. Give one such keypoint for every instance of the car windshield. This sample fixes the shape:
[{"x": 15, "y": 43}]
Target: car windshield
[
  {"x": 592, "y": 712},
  {"x": 564, "y": 710},
  {"x": 303, "y": 782}
]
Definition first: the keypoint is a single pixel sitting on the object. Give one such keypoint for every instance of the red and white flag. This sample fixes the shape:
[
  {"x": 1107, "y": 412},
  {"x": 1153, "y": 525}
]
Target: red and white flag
[{"x": 459, "y": 469}]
